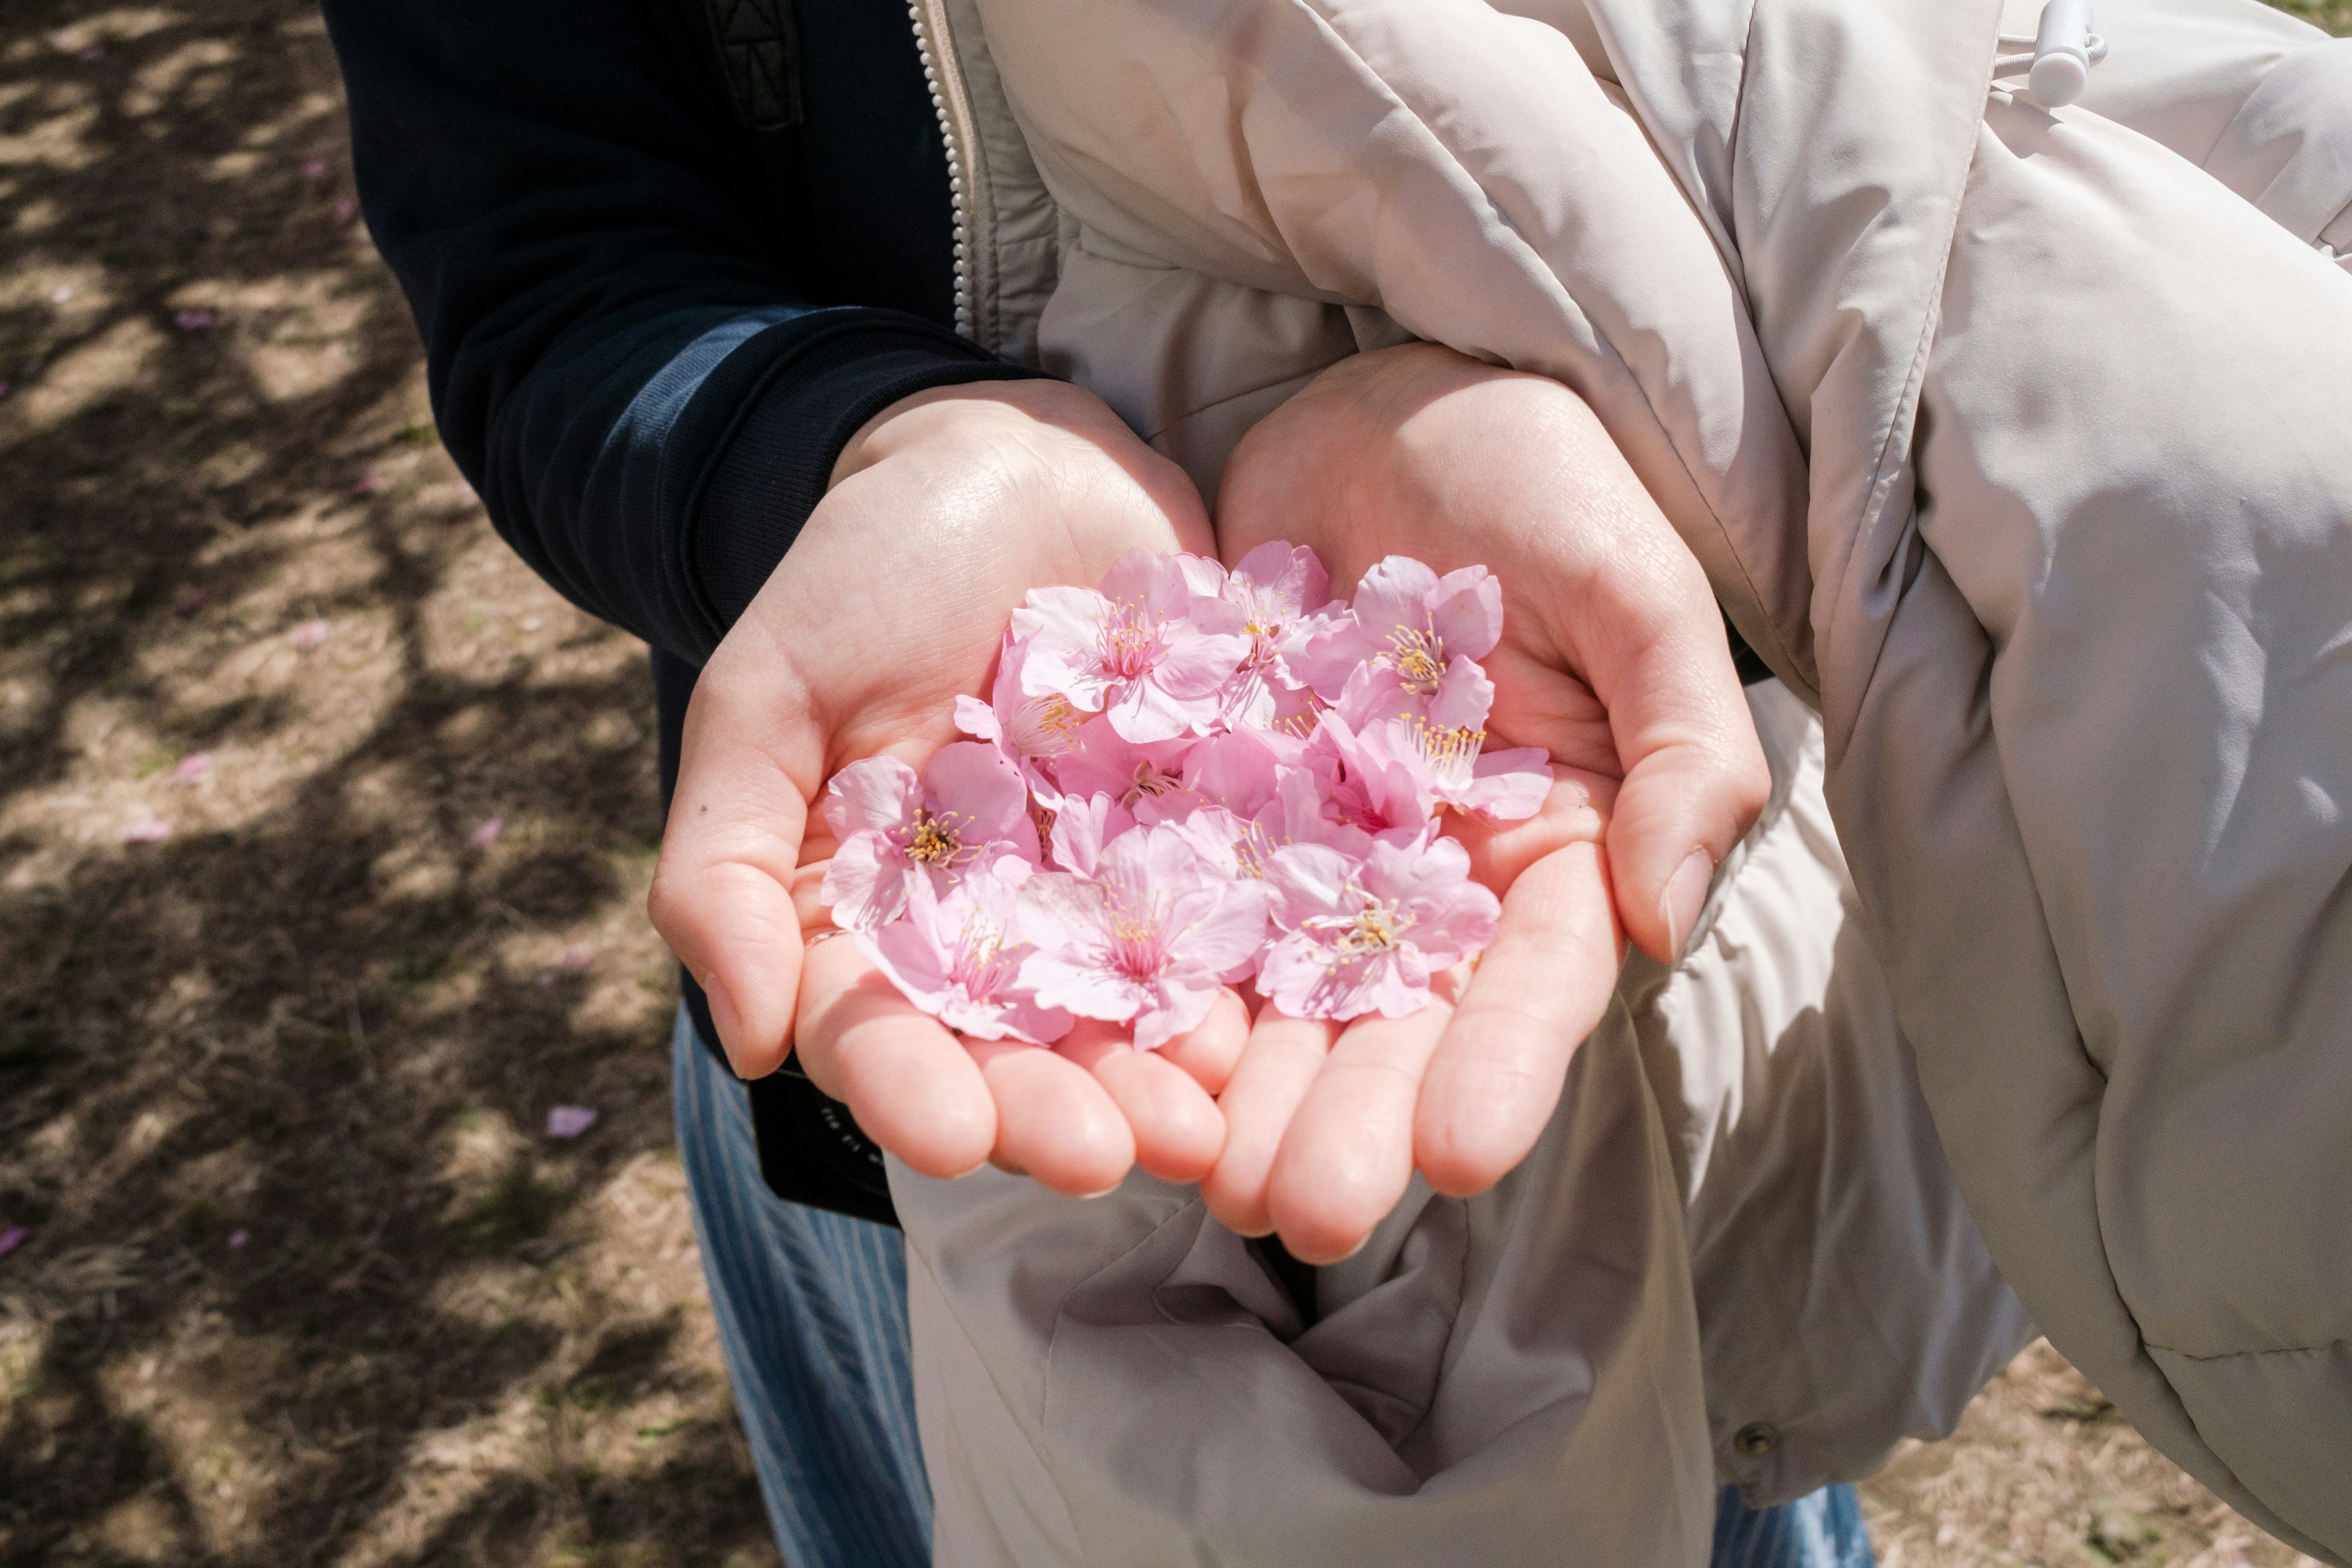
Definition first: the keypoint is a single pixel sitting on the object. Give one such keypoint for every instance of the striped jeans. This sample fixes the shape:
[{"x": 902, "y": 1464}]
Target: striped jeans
[{"x": 812, "y": 1312}]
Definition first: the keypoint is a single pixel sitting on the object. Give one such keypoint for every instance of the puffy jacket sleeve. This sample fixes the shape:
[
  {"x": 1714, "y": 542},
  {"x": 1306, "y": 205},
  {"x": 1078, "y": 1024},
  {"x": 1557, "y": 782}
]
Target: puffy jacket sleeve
[{"x": 634, "y": 350}]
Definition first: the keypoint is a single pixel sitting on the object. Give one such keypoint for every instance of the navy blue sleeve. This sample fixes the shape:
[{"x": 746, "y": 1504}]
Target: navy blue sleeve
[{"x": 648, "y": 327}]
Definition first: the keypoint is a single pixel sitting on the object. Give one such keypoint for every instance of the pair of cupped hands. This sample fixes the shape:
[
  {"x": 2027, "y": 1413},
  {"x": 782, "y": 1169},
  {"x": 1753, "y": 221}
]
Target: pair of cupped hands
[{"x": 948, "y": 507}]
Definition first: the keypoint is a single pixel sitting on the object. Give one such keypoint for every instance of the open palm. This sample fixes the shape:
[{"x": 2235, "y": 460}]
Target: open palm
[
  {"x": 943, "y": 513},
  {"x": 1613, "y": 660}
]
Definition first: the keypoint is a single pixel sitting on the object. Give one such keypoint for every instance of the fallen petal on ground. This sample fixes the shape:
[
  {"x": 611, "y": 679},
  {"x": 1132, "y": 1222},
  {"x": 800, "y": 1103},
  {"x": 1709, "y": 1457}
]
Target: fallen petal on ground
[{"x": 570, "y": 1120}]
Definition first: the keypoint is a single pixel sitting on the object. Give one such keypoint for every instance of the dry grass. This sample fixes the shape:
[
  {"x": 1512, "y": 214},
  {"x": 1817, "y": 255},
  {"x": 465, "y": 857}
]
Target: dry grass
[
  {"x": 2336, "y": 16},
  {"x": 2043, "y": 1473},
  {"x": 303, "y": 1284}
]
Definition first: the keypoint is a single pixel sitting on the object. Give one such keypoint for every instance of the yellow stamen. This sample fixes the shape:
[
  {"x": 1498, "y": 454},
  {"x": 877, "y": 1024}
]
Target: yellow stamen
[
  {"x": 934, "y": 841},
  {"x": 1419, "y": 661}
]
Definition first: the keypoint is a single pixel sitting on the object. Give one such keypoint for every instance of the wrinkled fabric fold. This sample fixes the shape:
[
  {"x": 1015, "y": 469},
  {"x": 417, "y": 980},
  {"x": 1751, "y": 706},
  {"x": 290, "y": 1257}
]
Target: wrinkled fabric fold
[{"x": 2014, "y": 442}]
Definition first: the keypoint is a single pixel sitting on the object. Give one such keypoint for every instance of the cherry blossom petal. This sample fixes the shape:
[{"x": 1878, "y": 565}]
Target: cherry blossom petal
[
  {"x": 978, "y": 719},
  {"x": 570, "y": 1120},
  {"x": 975, "y": 783},
  {"x": 1394, "y": 593},
  {"x": 877, "y": 793},
  {"x": 1105, "y": 761},
  {"x": 1236, "y": 771},
  {"x": 1144, "y": 710},
  {"x": 1177, "y": 1005},
  {"x": 1508, "y": 785},
  {"x": 1280, "y": 577},
  {"x": 1081, "y": 828},
  {"x": 866, "y": 885},
  {"x": 1465, "y": 609},
  {"x": 1330, "y": 655},
  {"x": 1464, "y": 699}
]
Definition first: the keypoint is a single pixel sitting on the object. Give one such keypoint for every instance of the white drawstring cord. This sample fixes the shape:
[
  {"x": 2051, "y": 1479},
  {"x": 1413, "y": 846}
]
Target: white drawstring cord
[{"x": 2060, "y": 55}]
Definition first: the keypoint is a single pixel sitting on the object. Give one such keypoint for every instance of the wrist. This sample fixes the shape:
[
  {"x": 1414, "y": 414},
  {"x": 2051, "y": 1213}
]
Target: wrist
[{"x": 975, "y": 415}]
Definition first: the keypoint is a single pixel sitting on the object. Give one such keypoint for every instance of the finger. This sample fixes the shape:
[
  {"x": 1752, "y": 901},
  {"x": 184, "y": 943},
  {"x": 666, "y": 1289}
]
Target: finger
[
  {"x": 911, "y": 1085},
  {"x": 1211, "y": 1052},
  {"x": 1053, "y": 1119},
  {"x": 1537, "y": 992},
  {"x": 1347, "y": 1156},
  {"x": 1695, "y": 778},
  {"x": 1178, "y": 1128},
  {"x": 721, "y": 895},
  {"x": 1685, "y": 802},
  {"x": 1277, "y": 1068}
]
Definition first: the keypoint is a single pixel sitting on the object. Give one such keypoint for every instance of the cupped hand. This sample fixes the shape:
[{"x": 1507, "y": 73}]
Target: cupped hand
[
  {"x": 1614, "y": 659},
  {"x": 942, "y": 512}
]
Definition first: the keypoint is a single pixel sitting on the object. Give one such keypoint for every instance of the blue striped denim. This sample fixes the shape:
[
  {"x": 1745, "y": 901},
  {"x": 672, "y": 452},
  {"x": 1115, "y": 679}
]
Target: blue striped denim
[
  {"x": 1820, "y": 1529},
  {"x": 812, "y": 1311}
]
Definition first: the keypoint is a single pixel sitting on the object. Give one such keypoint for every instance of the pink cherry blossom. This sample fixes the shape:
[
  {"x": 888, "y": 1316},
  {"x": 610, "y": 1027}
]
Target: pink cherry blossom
[
  {"x": 147, "y": 830},
  {"x": 1459, "y": 699},
  {"x": 1152, "y": 650},
  {"x": 1081, "y": 828},
  {"x": 1134, "y": 774},
  {"x": 1194, "y": 751},
  {"x": 1378, "y": 780},
  {"x": 1239, "y": 771},
  {"x": 1285, "y": 598},
  {"x": 192, "y": 767},
  {"x": 966, "y": 811},
  {"x": 1148, "y": 940},
  {"x": 1031, "y": 731},
  {"x": 1412, "y": 622},
  {"x": 1362, "y": 936},
  {"x": 1505, "y": 785},
  {"x": 958, "y": 958}
]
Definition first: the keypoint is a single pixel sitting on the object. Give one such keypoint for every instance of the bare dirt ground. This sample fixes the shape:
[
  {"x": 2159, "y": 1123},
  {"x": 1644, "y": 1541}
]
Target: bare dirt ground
[{"x": 323, "y": 833}]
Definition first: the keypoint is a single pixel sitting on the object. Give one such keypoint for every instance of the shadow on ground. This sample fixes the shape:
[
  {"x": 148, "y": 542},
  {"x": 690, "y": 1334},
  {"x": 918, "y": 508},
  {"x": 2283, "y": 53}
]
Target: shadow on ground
[
  {"x": 281, "y": 1012},
  {"x": 299, "y": 1278}
]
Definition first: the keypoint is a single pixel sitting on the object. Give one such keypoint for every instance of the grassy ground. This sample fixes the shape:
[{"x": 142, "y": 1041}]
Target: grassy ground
[
  {"x": 282, "y": 1014},
  {"x": 2336, "y": 16}
]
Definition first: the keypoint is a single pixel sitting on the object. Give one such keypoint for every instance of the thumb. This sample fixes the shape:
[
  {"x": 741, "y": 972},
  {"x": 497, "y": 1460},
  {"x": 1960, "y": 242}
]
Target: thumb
[
  {"x": 1695, "y": 780},
  {"x": 722, "y": 894}
]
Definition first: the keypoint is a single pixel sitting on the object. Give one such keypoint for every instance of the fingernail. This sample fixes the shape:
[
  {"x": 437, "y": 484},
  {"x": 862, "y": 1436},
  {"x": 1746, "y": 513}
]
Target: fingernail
[
  {"x": 1684, "y": 895},
  {"x": 723, "y": 1017}
]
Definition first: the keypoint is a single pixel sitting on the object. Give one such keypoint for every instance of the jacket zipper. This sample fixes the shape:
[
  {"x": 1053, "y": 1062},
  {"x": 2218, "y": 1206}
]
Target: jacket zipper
[{"x": 958, "y": 130}]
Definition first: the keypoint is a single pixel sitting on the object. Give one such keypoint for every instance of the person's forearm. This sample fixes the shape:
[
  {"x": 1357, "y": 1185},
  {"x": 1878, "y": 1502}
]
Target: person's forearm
[
  {"x": 621, "y": 354},
  {"x": 665, "y": 516}
]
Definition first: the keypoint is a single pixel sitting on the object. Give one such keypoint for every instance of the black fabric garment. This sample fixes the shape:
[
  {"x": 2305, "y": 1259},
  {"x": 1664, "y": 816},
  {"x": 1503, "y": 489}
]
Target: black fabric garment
[
  {"x": 620, "y": 283},
  {"x": 666, "y": 256}
]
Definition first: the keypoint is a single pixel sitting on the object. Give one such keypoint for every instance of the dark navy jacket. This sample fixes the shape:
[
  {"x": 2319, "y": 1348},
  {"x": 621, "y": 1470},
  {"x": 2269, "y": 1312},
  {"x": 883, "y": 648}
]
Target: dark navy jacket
[{"x": 666, "y": 256}]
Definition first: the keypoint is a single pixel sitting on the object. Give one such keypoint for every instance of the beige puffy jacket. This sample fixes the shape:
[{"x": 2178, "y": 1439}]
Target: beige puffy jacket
[{"x": 2020, "y": 444}]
